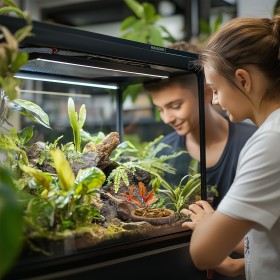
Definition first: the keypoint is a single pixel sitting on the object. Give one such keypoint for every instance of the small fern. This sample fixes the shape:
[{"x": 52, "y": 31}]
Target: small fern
[{"x": 145, "y": 160}]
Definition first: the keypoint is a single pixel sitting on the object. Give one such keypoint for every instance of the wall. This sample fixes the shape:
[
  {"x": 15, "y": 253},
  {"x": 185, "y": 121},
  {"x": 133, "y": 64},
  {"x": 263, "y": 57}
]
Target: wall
[{"x": 255, "y": 8}]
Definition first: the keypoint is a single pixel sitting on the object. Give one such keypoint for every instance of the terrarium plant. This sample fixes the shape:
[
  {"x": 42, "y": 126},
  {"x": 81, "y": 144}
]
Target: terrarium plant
[
  {"x": 130, "y": 159},
  {"x": 177, "y": 197},
  {"x": 56, "y": 184}
]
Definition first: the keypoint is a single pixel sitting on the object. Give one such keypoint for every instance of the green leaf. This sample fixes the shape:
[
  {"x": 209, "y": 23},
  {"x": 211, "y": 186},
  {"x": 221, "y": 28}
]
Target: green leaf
[
  {"x": 6, "y": 10},
  {"x": 169, "y": 37},
  {"x": 23, "y": 32},
  {"x": 42, "y": 178},
  {"x": 25, "y": 134},
  {"x": 133, "y": 91},
  {"x": 19, "y": 61},
  {"x": 88, "y": 180},
  {"x": 66, "y": 177},
  {"x": 40, "y": 116},
  {"x": 217, "y": 23},
  {"x": 11, "y": 87},
  {"x": 150, "y": 13},
  {"x": 11, "y": 224},
  {"x": 10, "y": 3},
  {"x": 136, "y": 8},
  {"x": 155, "y": 36},
  {"x": 74, "y": 122},
  {"x": 204, "y": 27},
  {"x": 128, "y": 22},
  {"x": 82, "y": 116}
]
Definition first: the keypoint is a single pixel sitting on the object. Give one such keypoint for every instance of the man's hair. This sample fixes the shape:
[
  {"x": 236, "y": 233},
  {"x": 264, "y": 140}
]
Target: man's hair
[
  {"x": 184, "y": 81},
  {"x": 185, "y": 47}
]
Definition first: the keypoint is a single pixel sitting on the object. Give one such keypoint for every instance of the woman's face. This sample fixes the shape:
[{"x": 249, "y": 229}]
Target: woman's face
[
  {"x": 231, "y": 100},
  {"x": 178, "y": 108}
]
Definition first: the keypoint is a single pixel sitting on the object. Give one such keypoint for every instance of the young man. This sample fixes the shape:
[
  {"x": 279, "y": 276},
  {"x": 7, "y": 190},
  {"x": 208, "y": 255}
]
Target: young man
[{"x": 178, "y": 104}]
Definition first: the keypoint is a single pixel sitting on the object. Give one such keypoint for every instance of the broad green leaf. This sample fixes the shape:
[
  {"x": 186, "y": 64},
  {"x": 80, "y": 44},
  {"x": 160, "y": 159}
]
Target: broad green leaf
[
  {"x": 66, "y": 177},
  {"x": 128, "y": 22},
  {"x": 89, "y": 179},
  {"x": 141, "y": 37},
  {"x": 150, "y": 13},
  {"x": 25, "y": 134},
  {"x": 136, "y": 8},
  {"x": 133, "y": 91},
  {"x": 155, "y": 36},
  {"x": 19, "y": 61},
  {"x": 204, "y": 26},
  {"x": 11, "y": 87},
  {"x": 23, "y": 112},
  {"x": 40, "y": 116}
]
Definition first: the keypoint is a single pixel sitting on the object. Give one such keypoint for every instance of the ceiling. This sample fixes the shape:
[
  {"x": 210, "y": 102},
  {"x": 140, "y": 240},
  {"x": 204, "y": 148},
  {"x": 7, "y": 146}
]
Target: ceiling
[{"x": 89, "y": 12}]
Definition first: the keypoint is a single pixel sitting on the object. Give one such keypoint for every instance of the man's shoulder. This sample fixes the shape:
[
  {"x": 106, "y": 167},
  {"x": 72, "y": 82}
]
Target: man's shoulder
[
  {"x": 246, "y": 128},
  {"x": 171, "y": 138}
]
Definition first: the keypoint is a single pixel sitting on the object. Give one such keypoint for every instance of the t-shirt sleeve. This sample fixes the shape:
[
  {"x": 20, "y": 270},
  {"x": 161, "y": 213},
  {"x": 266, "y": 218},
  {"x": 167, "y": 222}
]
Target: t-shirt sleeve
[{"x": 255, "y": 192}]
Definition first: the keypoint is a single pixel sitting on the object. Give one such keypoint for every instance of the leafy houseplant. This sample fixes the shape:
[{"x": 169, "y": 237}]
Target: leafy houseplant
[{"x": 142, "y": 26}]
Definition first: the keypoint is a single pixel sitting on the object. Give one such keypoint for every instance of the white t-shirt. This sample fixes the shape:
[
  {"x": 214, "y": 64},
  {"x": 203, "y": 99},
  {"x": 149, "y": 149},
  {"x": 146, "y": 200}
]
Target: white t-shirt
[{"x": 255, "y": 196}]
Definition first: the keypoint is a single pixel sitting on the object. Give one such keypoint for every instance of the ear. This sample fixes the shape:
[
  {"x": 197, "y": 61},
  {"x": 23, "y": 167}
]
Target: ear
[
  {"x": 208, "y": 94},
  {"x": 243, "y": 79}
]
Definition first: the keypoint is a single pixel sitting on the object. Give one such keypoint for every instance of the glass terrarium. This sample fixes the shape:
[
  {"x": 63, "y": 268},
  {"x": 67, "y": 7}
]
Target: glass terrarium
[{"x": 91, "y": 178}]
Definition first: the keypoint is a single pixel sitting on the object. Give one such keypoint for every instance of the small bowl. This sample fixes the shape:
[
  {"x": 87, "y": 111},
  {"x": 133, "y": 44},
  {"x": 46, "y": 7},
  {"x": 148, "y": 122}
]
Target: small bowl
[{"x": 167, "y": 216}]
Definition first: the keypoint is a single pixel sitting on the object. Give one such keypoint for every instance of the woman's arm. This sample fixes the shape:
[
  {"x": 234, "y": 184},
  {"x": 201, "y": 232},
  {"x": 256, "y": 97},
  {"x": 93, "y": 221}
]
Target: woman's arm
[
  {"x": 215, "y": 238},
  {"x": 229, "y": 267}
]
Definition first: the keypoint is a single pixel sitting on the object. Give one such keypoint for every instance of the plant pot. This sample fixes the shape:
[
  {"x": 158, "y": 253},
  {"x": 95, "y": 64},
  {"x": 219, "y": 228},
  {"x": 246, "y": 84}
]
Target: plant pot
[{"x": 154, "y": 216}]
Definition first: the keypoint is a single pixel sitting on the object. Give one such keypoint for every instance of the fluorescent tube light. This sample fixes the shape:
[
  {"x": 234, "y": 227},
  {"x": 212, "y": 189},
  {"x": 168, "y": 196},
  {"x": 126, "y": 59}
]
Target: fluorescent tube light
[{"x": 53, "y": 79}]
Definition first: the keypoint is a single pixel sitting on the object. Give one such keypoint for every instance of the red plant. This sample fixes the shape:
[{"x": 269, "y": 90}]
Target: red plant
[{"x": 144, "y": 199}]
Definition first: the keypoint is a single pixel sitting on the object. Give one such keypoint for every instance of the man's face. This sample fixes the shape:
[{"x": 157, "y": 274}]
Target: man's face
[{"x": 178, "y": 107}]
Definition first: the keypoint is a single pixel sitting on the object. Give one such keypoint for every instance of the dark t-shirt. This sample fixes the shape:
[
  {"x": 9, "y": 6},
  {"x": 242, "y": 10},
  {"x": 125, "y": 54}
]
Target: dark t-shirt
[{"x": 222, "y": 173}]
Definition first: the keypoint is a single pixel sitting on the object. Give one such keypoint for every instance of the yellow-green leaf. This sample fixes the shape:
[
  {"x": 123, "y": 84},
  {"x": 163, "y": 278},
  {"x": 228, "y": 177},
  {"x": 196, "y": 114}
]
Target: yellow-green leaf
[
  {"x": 89, "y": 179},
  {"x": 42, "y": 178},
  {"x": 66, "y": 177}
]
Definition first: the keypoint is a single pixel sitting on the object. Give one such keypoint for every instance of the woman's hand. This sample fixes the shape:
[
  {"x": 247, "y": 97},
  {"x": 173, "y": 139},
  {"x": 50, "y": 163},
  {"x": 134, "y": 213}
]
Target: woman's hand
[
  {"x": 231, "y": 267},
  {"x": 197, "y": 211}
]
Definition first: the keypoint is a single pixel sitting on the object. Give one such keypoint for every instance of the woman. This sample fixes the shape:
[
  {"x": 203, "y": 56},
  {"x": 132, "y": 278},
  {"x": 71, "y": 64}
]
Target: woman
[{"x": 242, "y": 66}]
